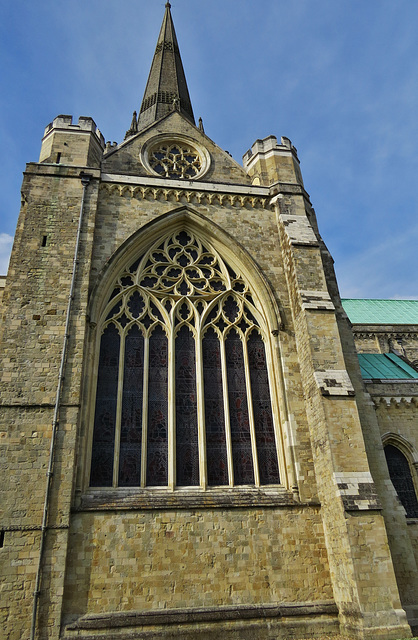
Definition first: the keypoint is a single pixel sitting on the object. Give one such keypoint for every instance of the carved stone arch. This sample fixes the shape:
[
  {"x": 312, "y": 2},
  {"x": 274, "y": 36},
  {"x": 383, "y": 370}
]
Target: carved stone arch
[
  {"x": 402, "y": 444},
  {"x": 401, "y": 458},
  {"x": 226, "y": 245},
  {"x": 134, "y": 270}
]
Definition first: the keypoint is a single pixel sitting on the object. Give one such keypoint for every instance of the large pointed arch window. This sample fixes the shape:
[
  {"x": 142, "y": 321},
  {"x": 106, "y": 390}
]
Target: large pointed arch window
[{"x": 183, "y": 387}]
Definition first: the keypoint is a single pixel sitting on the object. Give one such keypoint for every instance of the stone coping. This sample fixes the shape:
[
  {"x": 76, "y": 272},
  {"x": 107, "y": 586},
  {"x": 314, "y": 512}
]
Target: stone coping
[
  {"x": 144, "y": 499},
  {"x": 114, "y": 620}
]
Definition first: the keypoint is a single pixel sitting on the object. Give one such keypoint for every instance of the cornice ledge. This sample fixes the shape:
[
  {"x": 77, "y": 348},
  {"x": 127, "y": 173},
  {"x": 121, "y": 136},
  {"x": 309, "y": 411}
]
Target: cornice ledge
[{"x": 186, "y": 185}]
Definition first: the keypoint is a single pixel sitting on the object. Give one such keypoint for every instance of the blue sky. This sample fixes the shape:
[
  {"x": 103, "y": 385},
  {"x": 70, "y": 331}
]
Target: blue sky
[{"x": 338, "y": 77}]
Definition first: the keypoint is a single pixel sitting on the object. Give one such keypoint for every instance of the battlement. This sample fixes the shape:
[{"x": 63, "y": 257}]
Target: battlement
[
  {"x": 269, "y": 144},
  {"x": 268, "y": 162},
  {"x": 69, "y": 143},
  {"x": 85, "y": 123}
]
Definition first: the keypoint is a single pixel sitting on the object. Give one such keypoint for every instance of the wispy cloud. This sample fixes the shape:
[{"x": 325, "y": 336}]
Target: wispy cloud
[{"x": 6, "y": 242}]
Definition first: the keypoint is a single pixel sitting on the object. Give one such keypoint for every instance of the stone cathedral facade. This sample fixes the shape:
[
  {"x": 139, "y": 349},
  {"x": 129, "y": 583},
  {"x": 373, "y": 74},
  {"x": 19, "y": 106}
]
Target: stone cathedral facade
[{"x": 188, "y": 445}]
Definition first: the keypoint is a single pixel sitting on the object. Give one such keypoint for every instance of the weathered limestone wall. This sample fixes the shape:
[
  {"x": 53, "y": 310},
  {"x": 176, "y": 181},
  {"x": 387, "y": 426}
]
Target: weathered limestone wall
[
  {"x": 126, "y": 158},
  {"x": 34, "y": 306},
  {"x": 352, "y": 522},
  {"x": 398, "y": 532},
  {"x": 150, "y": 560},
  {"x": 397, "y": 414}
]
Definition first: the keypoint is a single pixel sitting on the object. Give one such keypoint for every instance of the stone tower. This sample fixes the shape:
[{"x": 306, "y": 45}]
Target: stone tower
[{"x": 188, "y": 447}]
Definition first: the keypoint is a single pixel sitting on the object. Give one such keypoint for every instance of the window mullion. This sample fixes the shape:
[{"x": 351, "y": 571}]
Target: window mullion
[
  {"x": 171, "y": 411},
  {"x": 203, "y": 476},
  {"x": 276, "y": 399},
  {"x": 251, "y": 413},
  {"x": 145, "y": 413},
  {"x": 226, "y": 413},
  {"x": 116, "y": 453}
]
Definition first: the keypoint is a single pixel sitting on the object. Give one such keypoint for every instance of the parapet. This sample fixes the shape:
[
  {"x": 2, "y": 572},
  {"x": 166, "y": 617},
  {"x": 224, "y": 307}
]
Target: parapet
[
  {"x": 268, "y": 162},
  {"x": 85, "y": 123},
  {"x": 269, "y": 144},
  {"x": 80, "y": 144}
]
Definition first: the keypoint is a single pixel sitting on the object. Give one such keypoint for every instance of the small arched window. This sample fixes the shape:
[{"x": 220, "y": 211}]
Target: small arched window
[
  {"x": 183, "y": 388},
  {"x": 401, "y": 477}
]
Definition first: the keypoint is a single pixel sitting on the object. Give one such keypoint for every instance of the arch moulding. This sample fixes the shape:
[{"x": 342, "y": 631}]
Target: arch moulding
[{"x": 226, "y": 245}]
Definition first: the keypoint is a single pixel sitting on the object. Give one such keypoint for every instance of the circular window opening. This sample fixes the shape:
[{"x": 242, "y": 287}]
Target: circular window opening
[{"x": 177, "y": 159}]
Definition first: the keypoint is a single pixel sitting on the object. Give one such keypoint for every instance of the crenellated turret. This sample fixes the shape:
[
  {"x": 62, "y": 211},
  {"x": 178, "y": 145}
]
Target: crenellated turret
[
  {"x": 268, "y": 162},
  {"x": 80, "y": 144}
]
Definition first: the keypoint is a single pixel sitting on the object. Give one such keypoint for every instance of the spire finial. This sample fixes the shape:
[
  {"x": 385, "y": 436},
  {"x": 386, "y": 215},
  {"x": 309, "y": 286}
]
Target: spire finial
[{"x": 167, "y": 5}]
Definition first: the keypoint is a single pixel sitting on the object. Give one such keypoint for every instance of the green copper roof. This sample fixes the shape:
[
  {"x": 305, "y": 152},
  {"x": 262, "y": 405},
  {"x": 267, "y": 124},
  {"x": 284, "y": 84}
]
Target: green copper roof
[
  {"x": 381, "y": 311},
  {"x": 385, "y": 366}
]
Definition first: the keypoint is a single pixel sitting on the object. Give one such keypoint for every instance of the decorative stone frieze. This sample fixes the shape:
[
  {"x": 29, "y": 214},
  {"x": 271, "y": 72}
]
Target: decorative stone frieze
[
  {"x": 395, "y": 401},
  {"x": 191, "y": 197}
]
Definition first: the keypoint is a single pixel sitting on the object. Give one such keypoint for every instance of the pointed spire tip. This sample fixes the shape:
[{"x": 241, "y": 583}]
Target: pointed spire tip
[{"x": 166, "y": 89}]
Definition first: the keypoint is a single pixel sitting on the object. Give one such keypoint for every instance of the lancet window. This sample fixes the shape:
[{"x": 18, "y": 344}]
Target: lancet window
[
  {"x": 402, "y": 480},
  {"x": 183, "y": 387}
]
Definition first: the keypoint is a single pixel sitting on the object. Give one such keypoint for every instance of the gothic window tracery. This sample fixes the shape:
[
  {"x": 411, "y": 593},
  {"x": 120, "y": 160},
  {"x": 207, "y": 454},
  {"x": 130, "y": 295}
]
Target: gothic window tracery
[
  {"x": 183, "y": 392},
  {"x": 175, "y": 161}
]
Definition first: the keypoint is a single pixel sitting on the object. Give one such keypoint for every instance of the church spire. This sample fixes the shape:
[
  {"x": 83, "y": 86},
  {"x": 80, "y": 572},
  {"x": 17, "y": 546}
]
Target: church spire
[{"x": 166, "y": 88}]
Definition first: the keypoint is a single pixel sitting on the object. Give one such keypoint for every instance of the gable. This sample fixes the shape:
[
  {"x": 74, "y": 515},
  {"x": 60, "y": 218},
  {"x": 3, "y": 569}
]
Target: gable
[{"x": 128, "y": 157}]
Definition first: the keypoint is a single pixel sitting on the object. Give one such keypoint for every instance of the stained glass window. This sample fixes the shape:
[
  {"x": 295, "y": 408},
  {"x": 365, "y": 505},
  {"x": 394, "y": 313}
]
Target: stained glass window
[
  {"x": 105, "y": 415},
  {"x": 263, "y": 415},
  {"x": 238, "y": 411},
  {"x": 131, "y": 422},
  {"x": 216, "y": 456},
  {"x": 187, "y": 448},
  {"x": 401, "y": 477},
  {"x": 183, "y": 390},
  {"x": 157, "y": 452}
]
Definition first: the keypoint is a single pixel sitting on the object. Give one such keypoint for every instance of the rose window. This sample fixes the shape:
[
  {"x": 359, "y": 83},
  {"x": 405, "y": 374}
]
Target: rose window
[{"x": 175, "y": 161}]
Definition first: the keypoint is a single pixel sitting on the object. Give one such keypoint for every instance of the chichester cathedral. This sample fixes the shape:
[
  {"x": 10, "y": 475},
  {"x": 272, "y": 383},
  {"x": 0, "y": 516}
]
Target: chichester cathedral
[{"x": 199, "y": 439}]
